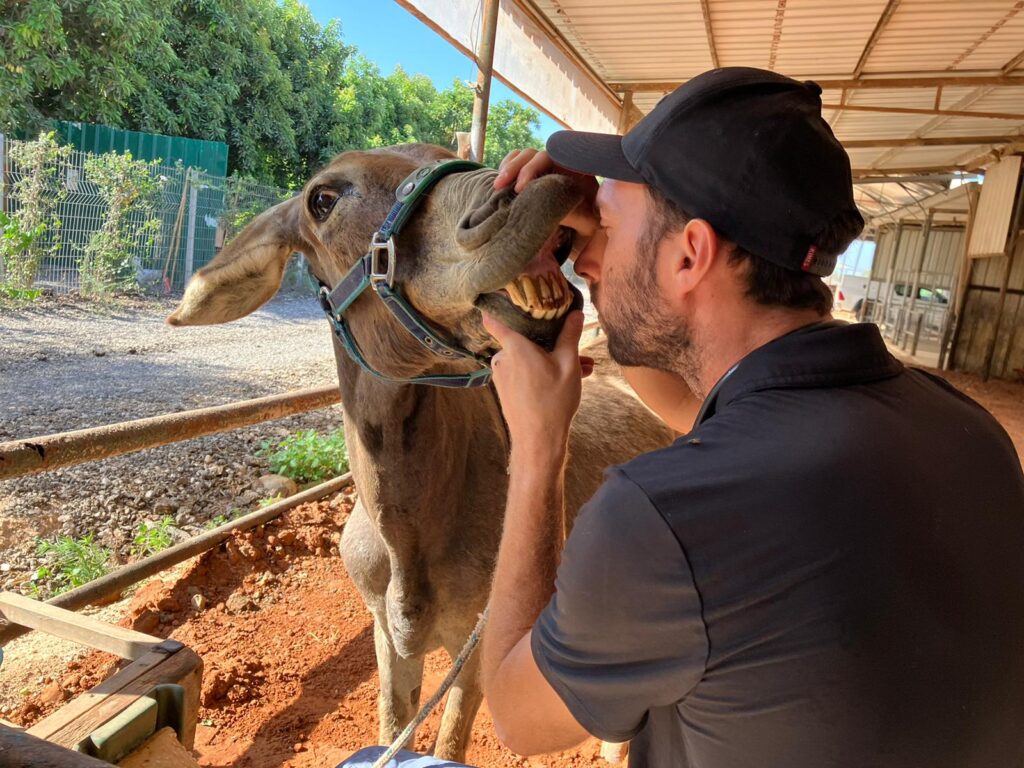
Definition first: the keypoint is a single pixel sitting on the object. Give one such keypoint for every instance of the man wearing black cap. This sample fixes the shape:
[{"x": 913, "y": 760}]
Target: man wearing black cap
[{"x": 828, "y": 569}]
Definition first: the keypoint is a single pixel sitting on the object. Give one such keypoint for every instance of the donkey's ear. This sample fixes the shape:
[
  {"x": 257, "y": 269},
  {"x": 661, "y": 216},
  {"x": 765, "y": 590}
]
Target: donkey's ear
[{"x": 248, "y": 272}]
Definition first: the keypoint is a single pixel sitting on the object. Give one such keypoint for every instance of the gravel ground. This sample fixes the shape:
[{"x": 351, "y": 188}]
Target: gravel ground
[{"x": 66, "y": 364}]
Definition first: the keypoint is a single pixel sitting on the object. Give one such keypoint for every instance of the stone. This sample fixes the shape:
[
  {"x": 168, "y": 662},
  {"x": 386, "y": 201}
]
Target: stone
[
  {"x": 278, "y": 485},
  {"x": 53, "y": 693},
  {"x": 198, "y": 601}
]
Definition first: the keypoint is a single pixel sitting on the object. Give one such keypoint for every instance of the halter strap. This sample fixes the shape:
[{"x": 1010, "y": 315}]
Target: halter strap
[{"x": 377, "y": 269}]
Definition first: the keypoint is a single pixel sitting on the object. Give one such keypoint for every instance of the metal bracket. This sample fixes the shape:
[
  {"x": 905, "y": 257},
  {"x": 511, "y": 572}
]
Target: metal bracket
[{"x": 377, "y": 273}]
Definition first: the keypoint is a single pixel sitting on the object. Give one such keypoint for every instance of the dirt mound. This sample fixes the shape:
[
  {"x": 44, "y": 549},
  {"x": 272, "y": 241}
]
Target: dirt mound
[{"x": 290, "y": 677}]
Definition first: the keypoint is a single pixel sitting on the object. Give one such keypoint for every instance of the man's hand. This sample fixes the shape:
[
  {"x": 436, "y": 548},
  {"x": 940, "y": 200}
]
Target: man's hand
[
  {"x": 521, "y": 166},
  {"x": 539, "y": 390}
]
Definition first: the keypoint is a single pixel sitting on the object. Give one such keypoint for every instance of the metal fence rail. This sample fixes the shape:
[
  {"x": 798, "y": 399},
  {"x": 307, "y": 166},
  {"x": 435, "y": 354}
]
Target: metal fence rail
[{"x": 198, "y": 213}]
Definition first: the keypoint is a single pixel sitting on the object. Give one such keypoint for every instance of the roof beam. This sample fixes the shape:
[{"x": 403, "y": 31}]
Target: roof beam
[
  {"x": 876, "y": 173},
  {"x": 862, "y": 83},
  {"x": 883, "y": 22},
  {"x": 1013, "y": 63},
  {"x": 1018, "y": 116},
  {"x": 706, "y": 10},
  {"x": 930, "y": 141}
]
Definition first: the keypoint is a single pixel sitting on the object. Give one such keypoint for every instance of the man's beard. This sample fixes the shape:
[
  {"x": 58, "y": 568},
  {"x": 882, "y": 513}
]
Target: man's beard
[{"x": 642, "y": 332}]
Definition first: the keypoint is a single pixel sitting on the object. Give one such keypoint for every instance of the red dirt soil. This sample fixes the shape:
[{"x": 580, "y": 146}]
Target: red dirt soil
[{"x": 290, "y": 677}]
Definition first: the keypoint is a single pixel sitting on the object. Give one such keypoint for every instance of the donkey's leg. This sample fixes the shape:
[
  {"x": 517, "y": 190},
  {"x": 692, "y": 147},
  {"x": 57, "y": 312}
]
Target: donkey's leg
[
  {"x": 400, "y": 684},
  {"x": 460, "y": 709}
]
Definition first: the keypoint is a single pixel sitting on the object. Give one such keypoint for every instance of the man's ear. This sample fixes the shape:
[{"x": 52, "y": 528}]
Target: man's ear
[
  {"x": 248, "y": 272},
  {"x": 692, "y": 252}
]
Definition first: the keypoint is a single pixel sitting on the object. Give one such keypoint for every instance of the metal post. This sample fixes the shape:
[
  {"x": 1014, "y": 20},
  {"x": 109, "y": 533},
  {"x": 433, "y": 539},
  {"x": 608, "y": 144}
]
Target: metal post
[
  {"x": 190, "y": 242},
  {"x": 963, "y": 284},
  {"x": 1011, "y": 251},
  {"x": 926, "y": 232},
  {"x": 484, "y": 62},
  {"x": 892, "y": 273},
  {"x": 917, "y": 333},
  {"x": 3, "y": 192}
]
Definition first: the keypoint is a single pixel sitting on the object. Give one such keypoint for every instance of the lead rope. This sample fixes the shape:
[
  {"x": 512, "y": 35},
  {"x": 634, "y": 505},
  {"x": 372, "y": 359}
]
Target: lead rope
[{"x": 460, "y": 662}]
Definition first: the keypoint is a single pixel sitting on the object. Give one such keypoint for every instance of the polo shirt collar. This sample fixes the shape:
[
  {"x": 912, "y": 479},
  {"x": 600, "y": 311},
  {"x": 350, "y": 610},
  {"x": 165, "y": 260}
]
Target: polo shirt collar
[{"x": 827, "y": 354}]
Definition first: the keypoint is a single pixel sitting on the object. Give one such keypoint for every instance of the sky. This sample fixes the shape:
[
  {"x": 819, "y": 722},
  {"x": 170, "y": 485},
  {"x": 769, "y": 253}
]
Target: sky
[{"x": 389, "y": 35}]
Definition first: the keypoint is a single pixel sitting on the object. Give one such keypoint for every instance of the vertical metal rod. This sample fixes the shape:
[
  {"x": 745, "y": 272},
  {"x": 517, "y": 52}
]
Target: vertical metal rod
[
  {"x": 1011, "y": 251},
  {"x": 3, "y": 190},
  {"x": 892, "y": 273},
  {"x": 926, "y": 232},
  {"x": 190, "y": 242},
  {"x": 917, "y": 333},
  {"x": 963, "y": 283},
  {"x": 484, "y": 63}
]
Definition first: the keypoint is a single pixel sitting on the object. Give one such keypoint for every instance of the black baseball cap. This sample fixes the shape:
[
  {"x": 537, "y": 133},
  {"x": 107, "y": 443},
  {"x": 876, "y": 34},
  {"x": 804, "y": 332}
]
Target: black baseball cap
[{"x": 745, "y": 149}]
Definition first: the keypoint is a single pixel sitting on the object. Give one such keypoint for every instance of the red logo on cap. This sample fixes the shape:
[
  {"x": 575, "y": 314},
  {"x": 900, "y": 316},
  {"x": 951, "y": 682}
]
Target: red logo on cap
[{"x": 809, "y": 258}]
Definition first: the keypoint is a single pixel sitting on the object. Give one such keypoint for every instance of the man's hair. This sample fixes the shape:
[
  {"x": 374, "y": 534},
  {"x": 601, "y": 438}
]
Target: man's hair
[{"x": 766, "y": 283}]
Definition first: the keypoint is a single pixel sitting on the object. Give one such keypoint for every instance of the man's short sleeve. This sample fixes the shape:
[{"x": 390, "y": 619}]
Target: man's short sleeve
[{"x": 623, "y": 632}]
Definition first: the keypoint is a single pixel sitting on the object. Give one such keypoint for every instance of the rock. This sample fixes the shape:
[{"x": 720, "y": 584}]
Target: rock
[
  {"x": 165, "y": 506},
  {"x": 99, "y": 353},
  {"x": 53, "y": 693},
  {"x": 168, "y": 603},
  {"x": 198, "y": 601},
  {"x": 147, "y": 622},
  {"x": 5, "y": 567},
  {"x": 239, "y": 603},
  {"x": 278, "y": 485}
]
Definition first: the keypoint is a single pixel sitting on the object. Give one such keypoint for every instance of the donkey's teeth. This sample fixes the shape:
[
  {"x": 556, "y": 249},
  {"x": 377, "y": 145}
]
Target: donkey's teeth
[
  {"x": 530, "y": 291},
  {"x": 542, "y": 297},
  {"x": 516, "y": 294},
  {"x": 545, "y": 291}
]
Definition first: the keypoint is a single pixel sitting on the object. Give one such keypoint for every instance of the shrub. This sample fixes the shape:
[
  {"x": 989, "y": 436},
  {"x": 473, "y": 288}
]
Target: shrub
[
  {"x": 129, "y": 188},
  {"x": 153, "y": 538},
  {"x": 37, "y": 193},
  {"x": 74, "y": 562},
  {"x": 307, "y": 457}
]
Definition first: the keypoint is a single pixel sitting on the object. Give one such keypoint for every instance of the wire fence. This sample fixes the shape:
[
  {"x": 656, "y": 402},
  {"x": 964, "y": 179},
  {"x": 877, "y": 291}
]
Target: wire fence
[{"x": 185, "y": 220}]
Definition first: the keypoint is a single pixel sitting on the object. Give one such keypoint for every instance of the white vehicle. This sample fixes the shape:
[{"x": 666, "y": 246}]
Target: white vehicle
[{"x": 849, "y": 291}]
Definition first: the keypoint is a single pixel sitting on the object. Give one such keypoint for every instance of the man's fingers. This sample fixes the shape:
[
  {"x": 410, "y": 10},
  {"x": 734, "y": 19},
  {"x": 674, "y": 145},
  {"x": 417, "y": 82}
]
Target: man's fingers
[
  {"x": 512, "y": 166},
  {"x": 538, "y": 165},
  {"x": 569, "y": 339}
]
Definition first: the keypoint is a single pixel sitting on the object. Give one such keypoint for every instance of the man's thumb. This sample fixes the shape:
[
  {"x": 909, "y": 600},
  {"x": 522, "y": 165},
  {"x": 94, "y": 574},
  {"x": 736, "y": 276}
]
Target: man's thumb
[{"x": 572, "y": 330}]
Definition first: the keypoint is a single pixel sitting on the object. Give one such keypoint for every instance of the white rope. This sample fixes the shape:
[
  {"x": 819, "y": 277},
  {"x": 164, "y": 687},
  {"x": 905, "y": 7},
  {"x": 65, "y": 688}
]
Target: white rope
[{"x": 460, "y": 662}]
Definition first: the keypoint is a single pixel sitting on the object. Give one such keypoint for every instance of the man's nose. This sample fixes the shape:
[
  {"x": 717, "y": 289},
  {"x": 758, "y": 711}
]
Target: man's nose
[{"x": 588, "y": 263}]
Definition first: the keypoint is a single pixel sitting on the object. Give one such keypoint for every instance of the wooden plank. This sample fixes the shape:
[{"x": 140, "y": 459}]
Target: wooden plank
[
  {"x": 19, "y": 749},
  {"x": 126, "y": 643},
  {"x": 936, "y": 112},
  {"x": 876, "y": 34},
  {"x": 86, "y": 701},
  {"x": 176, "y": 668}
]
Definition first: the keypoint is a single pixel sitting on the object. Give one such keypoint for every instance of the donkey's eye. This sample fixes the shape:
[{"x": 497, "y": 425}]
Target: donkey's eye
[{"x": 321, "y": 202}]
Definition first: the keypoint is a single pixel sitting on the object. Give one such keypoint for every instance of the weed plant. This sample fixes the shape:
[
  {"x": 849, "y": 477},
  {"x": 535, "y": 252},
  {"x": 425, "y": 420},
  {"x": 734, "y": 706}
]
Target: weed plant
[
  {"x": 73, "y": 562},
  {"x": 308, "y": 457},
  {"x": 153, "y": 538}
]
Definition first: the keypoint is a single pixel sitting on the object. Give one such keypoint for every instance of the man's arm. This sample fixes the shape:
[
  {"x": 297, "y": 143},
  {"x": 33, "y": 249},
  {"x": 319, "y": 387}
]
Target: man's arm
[
  {"x": 529, "y": 716},
  {"x": 539, "y": 394}
]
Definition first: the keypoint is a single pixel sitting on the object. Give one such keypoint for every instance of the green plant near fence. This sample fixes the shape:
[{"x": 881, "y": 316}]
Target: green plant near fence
[
  {"x": 130, "y": 189},
  {"x": 38, "y": 192},
  {"x": 307, "y": 456}
]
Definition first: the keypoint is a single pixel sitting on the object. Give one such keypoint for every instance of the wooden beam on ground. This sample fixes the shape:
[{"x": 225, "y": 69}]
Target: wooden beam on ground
[
  {"x": 19, "y": 749},
  {"x": 862, "y": 83},
  {"x": 484, "y": 66},
  {"x": 876, "y": 34},
  {"x": 1018, "y": 116},
  {"x": 39, "y": 454},
  {"x": 125, "y": 643},
  {"x": 705, "y": 9}
]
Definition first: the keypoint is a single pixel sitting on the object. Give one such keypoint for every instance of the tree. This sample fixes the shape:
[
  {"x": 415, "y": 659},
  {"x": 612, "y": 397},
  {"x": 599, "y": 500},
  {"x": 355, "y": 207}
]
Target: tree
[{"x": 510, "y": 126}]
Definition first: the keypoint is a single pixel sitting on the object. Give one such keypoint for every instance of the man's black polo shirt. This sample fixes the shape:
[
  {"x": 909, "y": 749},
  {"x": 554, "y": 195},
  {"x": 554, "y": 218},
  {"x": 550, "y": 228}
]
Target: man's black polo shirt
[{"x": 827, "y": 571}]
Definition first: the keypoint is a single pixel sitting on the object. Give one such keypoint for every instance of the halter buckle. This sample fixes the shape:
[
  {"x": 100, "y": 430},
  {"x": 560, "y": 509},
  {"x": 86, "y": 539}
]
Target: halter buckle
[{"x": 382, "y": 273}]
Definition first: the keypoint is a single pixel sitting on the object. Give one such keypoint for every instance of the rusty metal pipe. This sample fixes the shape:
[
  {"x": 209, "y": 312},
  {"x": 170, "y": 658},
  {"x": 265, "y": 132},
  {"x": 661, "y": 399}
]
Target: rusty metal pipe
[
  {"x": 117, "y": 581},
  {"x": 39, "y": 454}
]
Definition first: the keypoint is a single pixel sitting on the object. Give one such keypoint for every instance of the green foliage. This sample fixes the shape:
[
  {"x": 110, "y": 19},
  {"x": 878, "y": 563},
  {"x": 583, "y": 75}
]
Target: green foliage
[
  {"x": 130, "y": 226},
  {"x": 284, "y": 92},
  {"x": 308, "y": 457},
  {"x": 153, "y": 538},
  {"x": 73, "y": 562},
  {"x": 219, "y": 520},
  {"x": 37, "y": 192},
  {"x": 269, "y": 500}
]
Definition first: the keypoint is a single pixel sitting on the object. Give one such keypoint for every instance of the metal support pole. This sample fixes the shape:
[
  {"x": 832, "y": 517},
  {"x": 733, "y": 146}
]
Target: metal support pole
[
  {"x": 39, "y": 454},
  {"x": 190, "y": 242},
  {"x": 892, "y": 273},
  {"x": 484, "y": 62},
  {"x": 1011, "y": 251},
  {"x": 917, "y": 333},
  {"x": 3, "y": 192},
  {"x": 964, "y": 275},
  {"x": 926, "y": 232}
]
